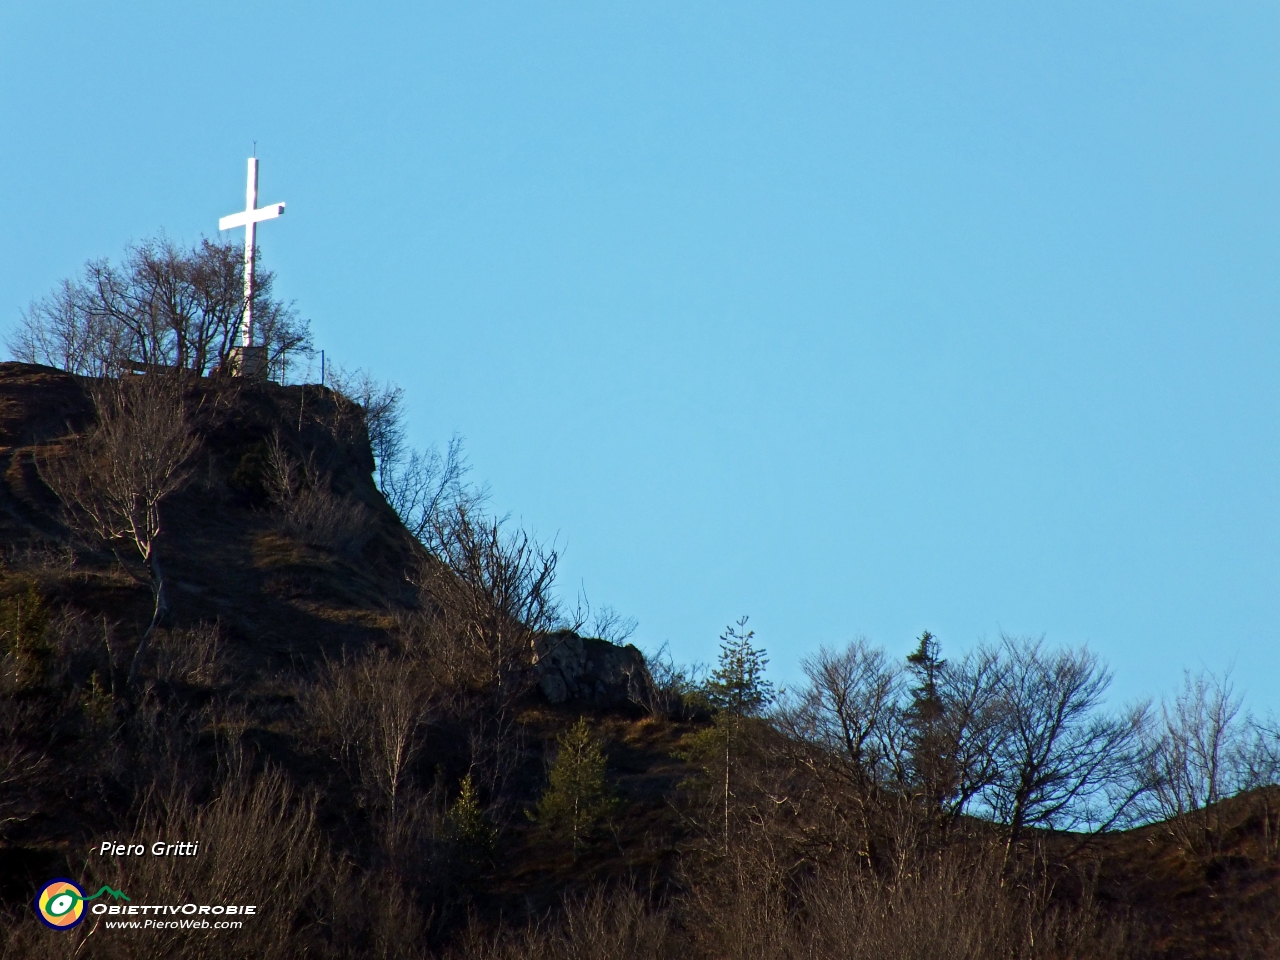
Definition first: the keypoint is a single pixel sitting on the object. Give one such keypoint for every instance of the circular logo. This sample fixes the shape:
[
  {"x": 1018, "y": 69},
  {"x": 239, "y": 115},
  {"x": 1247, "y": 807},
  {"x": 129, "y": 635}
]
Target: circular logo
[{"x": 60, "y": 904}]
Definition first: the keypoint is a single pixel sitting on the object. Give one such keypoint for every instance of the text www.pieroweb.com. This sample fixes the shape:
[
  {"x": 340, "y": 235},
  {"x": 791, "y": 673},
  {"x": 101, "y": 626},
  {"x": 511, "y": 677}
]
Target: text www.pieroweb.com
[{"x": 187, "y": 916}]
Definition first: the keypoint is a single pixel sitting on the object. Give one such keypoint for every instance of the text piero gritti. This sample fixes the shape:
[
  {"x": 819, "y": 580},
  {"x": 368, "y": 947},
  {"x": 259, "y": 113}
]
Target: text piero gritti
[{"x": 183, "y": 848}]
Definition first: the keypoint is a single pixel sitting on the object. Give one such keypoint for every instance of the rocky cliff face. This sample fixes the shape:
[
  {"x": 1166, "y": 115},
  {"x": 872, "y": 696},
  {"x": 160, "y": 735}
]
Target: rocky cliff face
[
  {"x": 334, "y": 575},
  {"x": 278, "y": 590}
]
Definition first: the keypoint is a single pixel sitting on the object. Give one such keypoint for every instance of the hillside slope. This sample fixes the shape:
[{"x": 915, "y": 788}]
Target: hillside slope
[{"x": 314, "y": 711}]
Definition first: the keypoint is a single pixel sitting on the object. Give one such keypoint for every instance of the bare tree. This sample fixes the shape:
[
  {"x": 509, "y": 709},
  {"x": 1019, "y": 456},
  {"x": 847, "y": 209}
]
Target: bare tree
[
  {"x": 428, "y": 485},
  {"x": 493, "y": 592},
  {"x": 1263, "y": 766},
  {"x": 856, "y": 712},
  {"x": 846, "y": 729},
  {"x": 163, "y": 307},
  {"x": 62, "y": 330},
  {"x": 1062, "y": 761},
  {"x": 379, "y": 406},
  {"x": 971, "y": 730},
  {"x": 114, "y": 480},
  {"x": 1206, "y": 750},
  {"x": 851, "y": 708}
]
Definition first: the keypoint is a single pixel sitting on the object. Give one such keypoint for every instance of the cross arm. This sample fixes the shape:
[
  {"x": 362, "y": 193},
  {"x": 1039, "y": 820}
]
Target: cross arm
[{"x": 246, "y": 217}]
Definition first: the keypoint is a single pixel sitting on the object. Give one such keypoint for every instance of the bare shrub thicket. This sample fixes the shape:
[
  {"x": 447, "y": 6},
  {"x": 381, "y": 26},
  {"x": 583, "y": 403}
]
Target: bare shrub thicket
[
  {"x": 57, "y": 691},
  {"x": 956, "y": 904},
  {"x": 488, "y": 601},
  {"x": 608, "y": 624},
  {"x": 198, "y": 656},
  {"x": 268, "y": 852},
  {"x": 487, "y": 592},
  {"x": 381, "y": 414},
  {"x": 489, "y": 587},
  {"x": 679, "y": 690},
  {"x": 951, "y": 906},
  {"x": 372, "y": 711},
  {"x": 163, "y": 307},
  {"x": 488, "y": 597},
  {"x": 114, "y": 480},
  {"x": 373, "y": 914},
  {"x": 424, "y": 487},
  {"x": 24, "y": 767},
  {"x": 617, "y": 925}
]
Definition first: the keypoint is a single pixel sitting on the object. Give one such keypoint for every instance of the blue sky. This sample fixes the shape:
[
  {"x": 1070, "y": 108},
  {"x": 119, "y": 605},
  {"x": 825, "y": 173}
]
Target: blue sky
[{"x": 857, "y": 318}]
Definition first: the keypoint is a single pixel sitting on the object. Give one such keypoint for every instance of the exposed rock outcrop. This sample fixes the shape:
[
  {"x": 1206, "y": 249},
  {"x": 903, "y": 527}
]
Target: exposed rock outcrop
[{"x": 590, "y": 671}]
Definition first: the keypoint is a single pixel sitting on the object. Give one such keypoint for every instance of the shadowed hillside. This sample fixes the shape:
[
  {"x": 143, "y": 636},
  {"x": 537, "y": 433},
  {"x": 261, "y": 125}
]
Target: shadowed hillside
[{"x": 276, "y": 591}]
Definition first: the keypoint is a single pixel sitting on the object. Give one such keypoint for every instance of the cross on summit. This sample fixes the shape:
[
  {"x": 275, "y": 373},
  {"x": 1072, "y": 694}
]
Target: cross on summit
[{"x": 249, "y": 218}]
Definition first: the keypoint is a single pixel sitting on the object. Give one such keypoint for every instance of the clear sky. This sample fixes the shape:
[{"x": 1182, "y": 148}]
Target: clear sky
[{"x": 857, "y": 318}]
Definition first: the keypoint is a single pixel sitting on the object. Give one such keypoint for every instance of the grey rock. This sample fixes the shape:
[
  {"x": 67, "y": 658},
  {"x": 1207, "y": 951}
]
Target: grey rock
[{"x": 590, "y": 671}]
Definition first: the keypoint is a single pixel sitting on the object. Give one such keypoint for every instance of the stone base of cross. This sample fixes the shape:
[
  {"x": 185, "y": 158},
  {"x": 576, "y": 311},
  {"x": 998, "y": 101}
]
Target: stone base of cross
[{"x": 249, "y": 362}]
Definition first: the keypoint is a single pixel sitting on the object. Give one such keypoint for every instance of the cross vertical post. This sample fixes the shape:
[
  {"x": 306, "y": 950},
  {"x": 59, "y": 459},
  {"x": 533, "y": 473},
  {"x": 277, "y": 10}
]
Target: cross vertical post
[{"x": 250, "y": 242}]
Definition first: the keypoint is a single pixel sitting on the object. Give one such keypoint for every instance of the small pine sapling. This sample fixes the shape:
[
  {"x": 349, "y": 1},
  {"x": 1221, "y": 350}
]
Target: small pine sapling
[
  {"x": 467, "y": 832},
  {"x": 577, "y": 799}
]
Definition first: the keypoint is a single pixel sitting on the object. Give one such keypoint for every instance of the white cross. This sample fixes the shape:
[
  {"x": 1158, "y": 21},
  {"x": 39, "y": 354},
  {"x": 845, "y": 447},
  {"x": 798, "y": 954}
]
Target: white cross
[{"x": 249, "y": 219}]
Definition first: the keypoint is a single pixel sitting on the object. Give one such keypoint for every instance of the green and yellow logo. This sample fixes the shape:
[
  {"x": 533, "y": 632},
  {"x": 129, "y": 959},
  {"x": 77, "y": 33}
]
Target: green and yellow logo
[{"x": 60, "y": 903}]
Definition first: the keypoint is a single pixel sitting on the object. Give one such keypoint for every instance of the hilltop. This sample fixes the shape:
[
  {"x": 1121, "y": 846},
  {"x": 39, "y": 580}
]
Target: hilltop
[{"x": 229, "y": 559}]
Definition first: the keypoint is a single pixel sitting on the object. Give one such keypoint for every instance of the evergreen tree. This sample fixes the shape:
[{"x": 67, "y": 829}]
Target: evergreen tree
[
  {"x": 738, "y": 686},
  {"x": 932, "y": 756},
  {"x": 24, "y": 648},
  {"x": 738, "y": 689},
  {"x": 577, "y": 798},
  {"x": 468, "y": 834}
]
